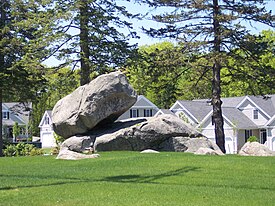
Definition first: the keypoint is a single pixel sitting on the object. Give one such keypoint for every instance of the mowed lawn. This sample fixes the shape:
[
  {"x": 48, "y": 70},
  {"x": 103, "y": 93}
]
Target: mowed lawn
[{"x": 131, "y": 178}]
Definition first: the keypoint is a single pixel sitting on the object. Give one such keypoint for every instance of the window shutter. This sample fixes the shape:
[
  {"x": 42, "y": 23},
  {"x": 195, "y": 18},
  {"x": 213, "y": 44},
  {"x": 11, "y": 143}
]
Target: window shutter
[
  {"x": 151, "y": 112},
  {"x": 137, "y": 113},
  {"x": 8, "y": 115},
  {"x": 131, "y": 113},
  {"x": 144, "y": 112}
]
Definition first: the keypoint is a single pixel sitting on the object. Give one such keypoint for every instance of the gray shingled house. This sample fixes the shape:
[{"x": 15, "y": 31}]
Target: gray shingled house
[
  {"x": 16, "y": 112},
  {"x": 243, "y": 117}
]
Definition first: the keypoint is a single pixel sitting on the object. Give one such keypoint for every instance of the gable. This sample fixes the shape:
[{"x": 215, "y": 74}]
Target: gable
[
  {"x": 46, "y": 119},
  {"x": 247, "y": 106},
  {"x": 143, "y": 102},
  {"x": 183, "y": 113},
  {"x": 17, "y": 112}
]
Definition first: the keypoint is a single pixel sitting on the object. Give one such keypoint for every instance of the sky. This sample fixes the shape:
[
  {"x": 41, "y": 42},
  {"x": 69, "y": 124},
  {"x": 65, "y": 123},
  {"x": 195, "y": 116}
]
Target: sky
[{"x": 147, "y": 40}]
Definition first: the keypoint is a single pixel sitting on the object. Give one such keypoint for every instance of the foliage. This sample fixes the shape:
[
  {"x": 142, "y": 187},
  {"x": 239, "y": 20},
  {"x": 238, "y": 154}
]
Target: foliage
[
  {"x": 252, "y": 139},
  {"x": 59, "y": 84},
  {"x": 131, "y": 178},
  {"x": 24, "y": 26},
  {"x": 16, "y": 130},
  {"x": 92, "y": 33},
  {"x": 251, "y": 75},
  {"x": 157, "y": 72},
  {"x": 184, "y": 117},
  {"x": 21, "y": 149},
  {"x": 214, "y": 29},
  {"x": 58, "y": 141}
]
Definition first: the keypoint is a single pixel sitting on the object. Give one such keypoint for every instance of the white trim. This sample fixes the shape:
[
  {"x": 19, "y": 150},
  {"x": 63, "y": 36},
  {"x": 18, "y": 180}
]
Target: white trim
[
  {"x": 160, "y": 112},
  {"x": 255, "y": 105},
  {"x": 43, "y": 118},
  {"x": 183, "y": 109},
  {"x": 144, "y": 107},
  {"x": 270, "y": 121}
]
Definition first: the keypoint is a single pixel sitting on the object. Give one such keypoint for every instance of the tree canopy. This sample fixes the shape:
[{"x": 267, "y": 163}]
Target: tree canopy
[
  {"x": 214, "y": 28},
  {"x": 90, "y": 35}
]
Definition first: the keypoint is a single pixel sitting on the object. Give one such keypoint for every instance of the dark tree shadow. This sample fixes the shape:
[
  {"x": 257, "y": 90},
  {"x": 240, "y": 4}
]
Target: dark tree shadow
[
  {"x": 57, "y": 180},
  {"x": 149, "y": 178}
]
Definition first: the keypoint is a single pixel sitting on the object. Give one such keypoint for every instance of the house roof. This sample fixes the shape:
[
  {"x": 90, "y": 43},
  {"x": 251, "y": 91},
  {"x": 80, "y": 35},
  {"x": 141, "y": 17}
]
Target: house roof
[
  {"x": 143, "y": 102},
  {"x": 18, "y": 112},
  {"x": 165, "y": 111},
  {"x": 199, "y": 109},
  {"x": 267, "y": 104},
  {"x": 238, "y": 119}
]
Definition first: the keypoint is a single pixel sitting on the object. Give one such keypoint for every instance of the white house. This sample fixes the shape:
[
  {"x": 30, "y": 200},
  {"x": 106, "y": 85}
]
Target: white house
[
  {"x": 16, "y": 112},
  {"x": 142, "y": 108},
  {"x": 46, "y": 130},
  {"x": 243, "y": 117}
]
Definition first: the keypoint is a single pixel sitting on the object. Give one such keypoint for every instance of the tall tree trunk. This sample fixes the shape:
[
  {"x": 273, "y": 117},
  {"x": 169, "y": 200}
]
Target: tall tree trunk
[
  {"x": 216, "y": 84},
  {"x": 1, "y": 126},
  {"x": 3, "y": 17},
  {"x": 84, "y": 43}
]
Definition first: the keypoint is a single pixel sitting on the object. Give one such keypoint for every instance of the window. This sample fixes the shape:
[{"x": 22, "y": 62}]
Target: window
[
  {"x": 255, "y": 114},
  {"x": 148, "y": 113},
  {"x": 5, "y": 115},
  {"x": 47, "y": 120},
  {"x": 134, "y": 113},
  {"x": 247, "y": 134}
]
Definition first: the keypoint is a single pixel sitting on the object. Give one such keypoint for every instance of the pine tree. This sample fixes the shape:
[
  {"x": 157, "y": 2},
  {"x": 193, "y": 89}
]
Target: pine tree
[
  {"x": 214, "y": 28},
  {"x": 92, "y": 37},
  {"x": 24, "y": 27}
]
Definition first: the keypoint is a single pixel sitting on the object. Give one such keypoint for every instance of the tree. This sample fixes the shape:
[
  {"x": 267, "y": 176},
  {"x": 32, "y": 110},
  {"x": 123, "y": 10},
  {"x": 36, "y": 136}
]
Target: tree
[
  {"x": 59, "y": 84},
  {"x": 22, "y": 30},
  {"x": 16, "y": 130},
  {"x": 251, "y": 74},
  {"x": 214, "y": 28},
  {"x": 157, "y": 71},
  {"x": 91, "y": 35}
]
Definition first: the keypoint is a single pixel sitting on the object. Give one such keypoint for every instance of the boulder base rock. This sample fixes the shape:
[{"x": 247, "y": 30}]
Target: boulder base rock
[
  {"x": 78, "y": 143},
  {"x": 192, "y": 145},
  {"x": 101, "y": 101},
  {"x": 255, "y": 149},
  {"x": 207, "y": 151},
  {"x": 149, "y": 151},
  {"x": 161, "y": 133},
  {"x": 71, "y": 155},
  {"x": 71, "y": 148},
  {"x": 150, "y": 133}
]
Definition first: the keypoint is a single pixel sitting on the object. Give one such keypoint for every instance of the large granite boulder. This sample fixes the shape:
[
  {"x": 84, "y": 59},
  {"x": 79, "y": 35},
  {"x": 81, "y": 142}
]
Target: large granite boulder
[
  {"x": 161, "y": 133},
  {"x": 255, "y": 149},
  {"x": 71, "y": 155},
  {"x": 207, "y": 151},
  {"x": 189, "y": 144},
  {"x": 100, "y": 102},
  {"x": 73, "y": 148}
]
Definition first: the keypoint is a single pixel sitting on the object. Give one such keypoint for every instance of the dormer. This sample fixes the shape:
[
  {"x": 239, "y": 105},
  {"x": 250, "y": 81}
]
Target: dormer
[
  {"x": 46, "y": 120},
  {"x": 253, "y": 111}
]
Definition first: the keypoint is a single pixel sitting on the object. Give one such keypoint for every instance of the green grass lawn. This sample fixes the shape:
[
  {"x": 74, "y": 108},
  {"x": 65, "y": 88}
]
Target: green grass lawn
[{"x": 131, "y": 178}]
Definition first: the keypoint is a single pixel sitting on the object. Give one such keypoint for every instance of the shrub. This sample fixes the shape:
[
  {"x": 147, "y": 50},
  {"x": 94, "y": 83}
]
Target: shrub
[
  {"x": 252, "y": 139},
  {"x": 21, "y": 149},
  {"x": 58, "y": 140}
]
